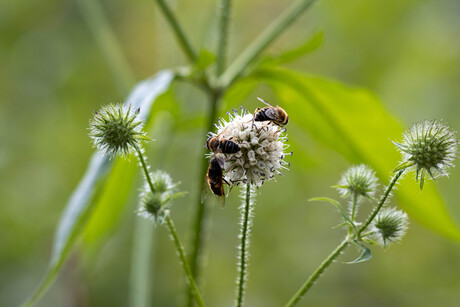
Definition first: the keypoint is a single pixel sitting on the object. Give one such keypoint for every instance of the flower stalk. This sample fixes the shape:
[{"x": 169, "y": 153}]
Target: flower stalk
[
  {"x": 243, "y": 257},
  {"x": 183, "y": 259}
]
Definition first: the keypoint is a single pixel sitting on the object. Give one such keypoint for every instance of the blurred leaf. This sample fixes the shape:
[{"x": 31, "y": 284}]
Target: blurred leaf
[
  {"x": 205, "y": 59},
  {"x": 365, "y": 254},
  {"x": 292, "y": 55},
  {"x": 83, "y": 200},
  {"x": 353, "y": 122}
]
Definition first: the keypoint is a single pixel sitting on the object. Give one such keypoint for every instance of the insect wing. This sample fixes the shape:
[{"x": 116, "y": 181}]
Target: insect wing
[{"x": 267, "y": 103}]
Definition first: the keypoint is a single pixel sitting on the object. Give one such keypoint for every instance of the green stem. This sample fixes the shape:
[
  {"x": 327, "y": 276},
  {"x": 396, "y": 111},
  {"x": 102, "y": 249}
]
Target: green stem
[
  {"x": 108, "y": 44},
  {"x": 184, "y": 261},
  {"x": 381, "y": 202},
  {"x": 320, "y": 270},
  {"x": 200, "y": 206},
  {"x": 224, "y": 21},
  {"x": 311, "y": 280},
  {"x": 246, "y": 217},
  {"x": 145, "y": 168},
  {"x": 178, "y": 31},
  {"x": 353, "y": 208},
  {"x": 281, "y": 23}
]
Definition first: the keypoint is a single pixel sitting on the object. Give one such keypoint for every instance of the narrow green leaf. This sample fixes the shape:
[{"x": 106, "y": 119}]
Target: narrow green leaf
[
  {"x": 81, "y": 203},
  {"x": 353, "y": 122},
  {"x": 339, "y": 208},
  {"x": 364, "y": 256}
]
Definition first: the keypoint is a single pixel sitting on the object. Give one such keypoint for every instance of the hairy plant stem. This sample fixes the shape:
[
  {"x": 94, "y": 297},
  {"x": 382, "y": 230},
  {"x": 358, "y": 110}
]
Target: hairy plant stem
[
  {"x": 184, "y": 261},
  {"x": 271, "y": 32},
  {"x": 246, "y": 217},
  {"x": 178, "y": 31},
  {"x": 353, "y": 207},
  {"x": 175, "y": 238},
  {"x": 342, "y": 246},
  {"x": 381, "y": 202},
  {"x": 224, "y": 21}
]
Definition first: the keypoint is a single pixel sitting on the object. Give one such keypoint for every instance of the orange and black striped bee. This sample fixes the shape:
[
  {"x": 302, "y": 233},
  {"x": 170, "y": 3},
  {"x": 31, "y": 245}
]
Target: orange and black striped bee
[
  {"x": 217, "y": 145},
  {"x": 274, "y": 114},
  {"x": 215, "y": 179}
]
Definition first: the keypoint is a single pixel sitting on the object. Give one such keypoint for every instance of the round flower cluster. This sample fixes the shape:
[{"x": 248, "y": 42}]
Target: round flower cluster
[
  {"x": 156, "y": 195},
  {"x": 359, "y": 180},
  {"x": 262, "y": 145},
  {"x": 429, "y": 146},
  {"x": 114, "y": 130},
  {"x": 389, "y": 226}
]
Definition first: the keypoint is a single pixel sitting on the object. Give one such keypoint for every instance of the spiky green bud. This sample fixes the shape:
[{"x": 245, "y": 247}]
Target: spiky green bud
[
  {"x": 114, "y": 130},
  {"x": 154, "y": 203},
  {"x": 359, "y": 180},
  {"x": 430, "y": 147},
  {"x": 389, "y": 226}
]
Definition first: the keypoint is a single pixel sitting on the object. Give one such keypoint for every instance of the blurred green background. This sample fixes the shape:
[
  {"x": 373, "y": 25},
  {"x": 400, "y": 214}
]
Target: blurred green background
[{"x": 53, "y": 76}]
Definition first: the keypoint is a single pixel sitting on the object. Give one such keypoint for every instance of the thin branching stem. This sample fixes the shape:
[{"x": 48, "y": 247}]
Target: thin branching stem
[
  {"x": 320, "y": 270},
  {"x": 353, "y": 207},
  {"x": 246, "y": 217},
  {"x": 281, "y": 23},
  {"x": 224, "y": 11},
  {"x": 184, "y": 261},
  {"x": 144, "y": 168},
  {"x": 172, "y": 230},
  {"x": 339, "y": 249},
  {"x": 178, "y": 31},
  {"x": 381, "y": 202}
]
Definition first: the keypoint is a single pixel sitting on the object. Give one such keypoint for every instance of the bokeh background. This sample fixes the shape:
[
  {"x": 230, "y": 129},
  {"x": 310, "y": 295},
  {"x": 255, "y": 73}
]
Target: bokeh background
[{"x": 53, "y": 76}]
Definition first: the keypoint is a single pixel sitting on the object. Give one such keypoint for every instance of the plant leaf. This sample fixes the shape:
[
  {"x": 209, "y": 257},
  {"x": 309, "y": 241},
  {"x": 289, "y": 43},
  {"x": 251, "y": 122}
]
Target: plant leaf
[
  {"x": 364, "y": 256},
  {"x": 339, "y": 208},
  {"x": 81, "y": 204},
  {"x": 353, "y": 122}
]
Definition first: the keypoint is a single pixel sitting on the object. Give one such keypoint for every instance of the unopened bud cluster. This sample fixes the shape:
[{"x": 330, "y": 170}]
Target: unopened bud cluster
[
  {"x": 430, "y": 147},
  {"x": 114, "y": 130},
  {"x": 359, "y": 180},
  {"x": 154, "y": 200},
  {"x": 389, "y": 226}
]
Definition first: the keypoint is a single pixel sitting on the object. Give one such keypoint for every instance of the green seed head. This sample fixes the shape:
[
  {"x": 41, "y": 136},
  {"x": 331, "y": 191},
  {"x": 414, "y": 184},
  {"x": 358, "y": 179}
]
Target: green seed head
[
  {"x": 359, "y": 180},
  {"x": 389, "y": 226},
  {"x": 114, "y": 130},
  {"x": 154, "y": 203},
  {"x": 430, "y": 147}
]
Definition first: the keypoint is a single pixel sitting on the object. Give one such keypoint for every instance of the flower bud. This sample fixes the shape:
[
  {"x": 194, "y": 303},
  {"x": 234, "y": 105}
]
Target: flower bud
[
  {"x": 115, "y": 131},
  {"x": 154, "y": 203},
  {"x": 430, "y": 147},
  {"x": 359, "y": 180},
  {"x": 389, "y": 226}
]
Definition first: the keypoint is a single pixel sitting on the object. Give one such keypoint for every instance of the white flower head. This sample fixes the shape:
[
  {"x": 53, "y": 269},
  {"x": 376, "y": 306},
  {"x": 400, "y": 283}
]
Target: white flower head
[{"x": 262, "y": 146}]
